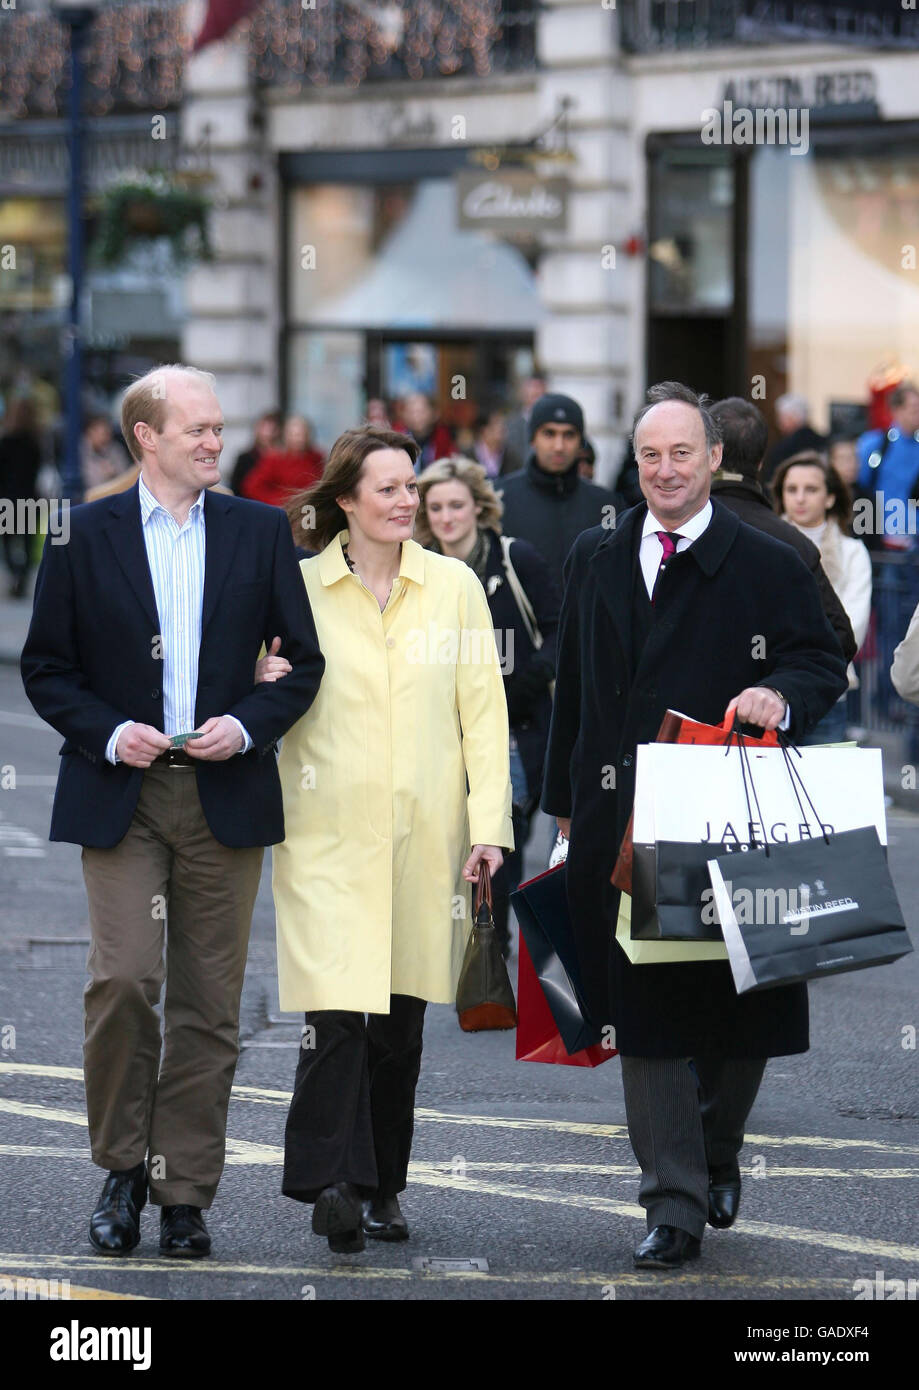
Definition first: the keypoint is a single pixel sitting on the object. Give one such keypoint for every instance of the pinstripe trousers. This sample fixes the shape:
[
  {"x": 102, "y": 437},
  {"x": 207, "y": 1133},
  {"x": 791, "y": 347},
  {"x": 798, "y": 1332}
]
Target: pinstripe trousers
[{"x": 679, "y": 1136}]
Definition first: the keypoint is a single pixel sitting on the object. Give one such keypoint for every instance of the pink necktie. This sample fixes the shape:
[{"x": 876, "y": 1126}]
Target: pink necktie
[{"x": 668, "y": 540}]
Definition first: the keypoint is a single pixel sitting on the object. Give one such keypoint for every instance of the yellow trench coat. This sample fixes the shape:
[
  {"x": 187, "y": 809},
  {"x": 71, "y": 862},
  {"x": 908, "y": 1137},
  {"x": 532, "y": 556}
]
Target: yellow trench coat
[{"x": 368, "y": 883}]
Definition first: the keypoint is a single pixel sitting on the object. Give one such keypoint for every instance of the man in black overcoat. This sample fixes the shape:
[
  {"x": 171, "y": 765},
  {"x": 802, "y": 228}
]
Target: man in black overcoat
[{"x": 664, "y": 612}]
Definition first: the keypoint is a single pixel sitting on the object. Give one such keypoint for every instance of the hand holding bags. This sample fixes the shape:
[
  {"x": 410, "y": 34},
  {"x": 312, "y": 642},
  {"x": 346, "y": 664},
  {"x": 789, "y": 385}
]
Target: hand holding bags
[
  {"x": 484, "y": 997},
  {"x": 822, "y": 903}
]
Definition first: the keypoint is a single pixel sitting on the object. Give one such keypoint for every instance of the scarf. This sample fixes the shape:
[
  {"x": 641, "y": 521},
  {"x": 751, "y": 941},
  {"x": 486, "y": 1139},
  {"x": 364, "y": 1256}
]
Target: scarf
[{"x": 477, "y": 559}]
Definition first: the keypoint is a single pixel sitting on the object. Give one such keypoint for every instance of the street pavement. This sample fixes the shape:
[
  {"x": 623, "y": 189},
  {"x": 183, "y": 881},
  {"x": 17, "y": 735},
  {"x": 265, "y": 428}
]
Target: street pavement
[{"x": 522, "y": 1177}]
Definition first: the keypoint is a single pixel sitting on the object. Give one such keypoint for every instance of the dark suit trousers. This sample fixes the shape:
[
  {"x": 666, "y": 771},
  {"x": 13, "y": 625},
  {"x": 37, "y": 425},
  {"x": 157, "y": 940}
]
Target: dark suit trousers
[
  {"x": 352, "y": 1114},
  {"x": 168, "y": 880},
  {"x": 679, "y": 1136}
]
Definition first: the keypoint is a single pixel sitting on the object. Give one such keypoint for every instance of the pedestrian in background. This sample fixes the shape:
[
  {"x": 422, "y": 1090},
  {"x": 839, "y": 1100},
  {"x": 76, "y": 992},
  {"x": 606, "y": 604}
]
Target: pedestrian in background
[
  {"x": 517, "y": 447},
  {"x": 660, "y": 614},
  {"x": 20, "y": 460},
  {"x": 146, "y": 628},
  {"x": 418, "y": 415},
  {"x": 811, "y": 495},
  {"x": 102, "y": 457},
  {"x": 460, "y": 515},
  {"x": 279, "y": 473},
  {"x": 267, "y": 439},
  {"x": 396, "y": 789},
  {"x": 548, "y": 503},
  {"x": 792, "y": 415},
  {"x": 490, "y": 436},
  {"x": 736, "y": 485}
]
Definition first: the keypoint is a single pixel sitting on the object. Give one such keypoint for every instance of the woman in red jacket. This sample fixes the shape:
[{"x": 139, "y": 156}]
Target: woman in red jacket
[{"x": 292, "y": 468}]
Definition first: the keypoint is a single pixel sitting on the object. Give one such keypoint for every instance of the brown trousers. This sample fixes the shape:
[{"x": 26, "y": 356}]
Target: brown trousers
[{"x": 168, "y": 881}]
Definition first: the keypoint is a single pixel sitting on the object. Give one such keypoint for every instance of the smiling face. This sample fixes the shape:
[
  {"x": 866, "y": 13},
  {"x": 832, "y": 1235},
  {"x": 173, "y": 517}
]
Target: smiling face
[
  {"x": 805, "y": 498},
  {"x": 385, "y": 500},
  {"x": 675, "y": 465},
  {"x": 452, "y": 512},
  {"x": 186, "y": 454}
]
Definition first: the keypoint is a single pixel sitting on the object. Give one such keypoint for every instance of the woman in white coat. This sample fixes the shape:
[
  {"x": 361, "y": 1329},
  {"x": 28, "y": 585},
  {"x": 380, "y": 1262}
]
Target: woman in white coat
[
  {"x": 396, "y": 786},
  {"x": 811, "y": 495}
]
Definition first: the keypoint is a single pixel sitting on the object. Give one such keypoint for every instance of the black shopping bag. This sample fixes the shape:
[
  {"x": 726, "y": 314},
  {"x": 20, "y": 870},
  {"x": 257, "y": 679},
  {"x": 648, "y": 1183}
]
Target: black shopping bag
[
  {"x": 541, "y": 906},
  {"x": 672, "y": 892},
  {"x": 798, "y": 911}
]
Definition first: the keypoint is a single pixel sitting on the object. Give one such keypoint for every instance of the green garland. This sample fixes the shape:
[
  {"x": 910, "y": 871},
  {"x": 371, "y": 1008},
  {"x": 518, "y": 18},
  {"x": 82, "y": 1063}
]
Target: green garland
[{"x": 144, "y": 207}]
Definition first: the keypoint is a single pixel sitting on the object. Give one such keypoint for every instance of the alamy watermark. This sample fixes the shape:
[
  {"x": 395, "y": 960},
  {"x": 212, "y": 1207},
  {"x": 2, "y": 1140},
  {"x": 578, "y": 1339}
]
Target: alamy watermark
[
  {"x": 34, "y": 516},
  {"x": 759, "y": 125}
]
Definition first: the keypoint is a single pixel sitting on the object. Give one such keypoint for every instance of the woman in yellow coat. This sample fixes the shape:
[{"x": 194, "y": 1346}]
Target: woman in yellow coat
[{"x": 396, "y": 785}]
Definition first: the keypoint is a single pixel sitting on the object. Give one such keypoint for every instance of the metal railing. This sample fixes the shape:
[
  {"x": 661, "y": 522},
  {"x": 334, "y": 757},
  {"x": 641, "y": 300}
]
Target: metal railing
[
  {"x": 651, "y": 26},
  {"x": 875, "y": 710}
]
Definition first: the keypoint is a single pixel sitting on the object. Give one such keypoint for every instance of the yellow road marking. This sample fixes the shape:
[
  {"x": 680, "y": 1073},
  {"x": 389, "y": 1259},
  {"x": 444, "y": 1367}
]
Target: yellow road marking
[
  {"x": 241, "y": 1153},
  {"x": 41, "y": 1112},
  {"x": 258, "y": 1094},
  {"x": 363, "y": 1271},
  {"x": 74, "y": 1291}
]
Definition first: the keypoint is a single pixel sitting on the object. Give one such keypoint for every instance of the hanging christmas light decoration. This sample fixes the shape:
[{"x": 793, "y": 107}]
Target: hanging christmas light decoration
[
  {"x": 134, "y": 61},
  {"x": 353, "y": 41}
]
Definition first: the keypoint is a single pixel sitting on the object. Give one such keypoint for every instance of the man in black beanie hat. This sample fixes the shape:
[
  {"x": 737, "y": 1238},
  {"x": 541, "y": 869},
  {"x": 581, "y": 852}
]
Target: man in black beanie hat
[{"x": 548, "y": 503}]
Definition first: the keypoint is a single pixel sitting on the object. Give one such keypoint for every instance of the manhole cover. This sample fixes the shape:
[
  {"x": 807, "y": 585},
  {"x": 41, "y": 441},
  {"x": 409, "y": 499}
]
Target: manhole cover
[{"x": 436, "y": 1264}]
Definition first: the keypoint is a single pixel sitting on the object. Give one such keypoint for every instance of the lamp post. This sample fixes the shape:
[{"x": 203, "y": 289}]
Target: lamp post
[{"x": 78, "y": 16}]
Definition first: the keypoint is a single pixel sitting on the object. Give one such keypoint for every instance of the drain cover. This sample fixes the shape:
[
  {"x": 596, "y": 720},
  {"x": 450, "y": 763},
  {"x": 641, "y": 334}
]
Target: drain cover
[{"x": 437, "y": 1264}]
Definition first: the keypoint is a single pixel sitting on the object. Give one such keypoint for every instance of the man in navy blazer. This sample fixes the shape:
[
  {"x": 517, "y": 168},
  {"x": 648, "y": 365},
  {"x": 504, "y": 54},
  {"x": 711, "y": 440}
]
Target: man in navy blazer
[{"x": 147, "y": 626}]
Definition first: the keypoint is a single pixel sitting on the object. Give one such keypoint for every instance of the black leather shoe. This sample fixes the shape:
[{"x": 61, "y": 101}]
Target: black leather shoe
[
  {"x": 667, "y": 1247},
  {"x": 337, "y": 1215},
  {"x": 183, "y": 1233},
  {"x": 114, "y": 1227},
  {"x": 723, "y": 1196},
  {"x": 383, "y": 1219}
]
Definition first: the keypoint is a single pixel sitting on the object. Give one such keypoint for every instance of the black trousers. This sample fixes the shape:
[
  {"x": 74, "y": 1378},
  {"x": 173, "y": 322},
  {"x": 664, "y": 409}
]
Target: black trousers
[{"x": 352, "y": 1115}]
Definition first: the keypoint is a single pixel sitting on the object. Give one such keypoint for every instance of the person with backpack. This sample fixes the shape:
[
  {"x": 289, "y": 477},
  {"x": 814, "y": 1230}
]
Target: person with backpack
[{"x": 460, "y": 516}]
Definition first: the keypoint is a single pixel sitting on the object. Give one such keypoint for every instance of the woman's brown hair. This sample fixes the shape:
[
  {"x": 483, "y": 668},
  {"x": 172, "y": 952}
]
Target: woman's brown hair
[
  {"x": 315, "y": 516},
  {"x": 460, "y": 470},
  {"x": 841, "y": 510}
]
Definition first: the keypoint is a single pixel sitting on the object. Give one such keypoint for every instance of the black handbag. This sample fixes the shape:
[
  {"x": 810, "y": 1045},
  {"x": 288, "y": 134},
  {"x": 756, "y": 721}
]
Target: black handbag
[{"x": 484, "y": 995}]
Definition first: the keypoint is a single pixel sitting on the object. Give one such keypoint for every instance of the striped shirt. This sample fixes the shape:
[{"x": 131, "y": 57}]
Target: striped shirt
[{"x": 175, "y": 555}]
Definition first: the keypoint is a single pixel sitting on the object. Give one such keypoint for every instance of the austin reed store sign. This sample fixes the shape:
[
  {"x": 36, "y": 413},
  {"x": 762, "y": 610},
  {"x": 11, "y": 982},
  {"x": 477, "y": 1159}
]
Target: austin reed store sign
[{"x": 513, "y": 201}]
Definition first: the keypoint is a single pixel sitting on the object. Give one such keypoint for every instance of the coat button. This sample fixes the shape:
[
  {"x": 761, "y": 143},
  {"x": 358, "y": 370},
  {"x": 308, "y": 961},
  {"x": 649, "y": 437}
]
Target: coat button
[
  {"x": 154, "y": 694},
  {"x": 390, "y": 641},
  {"x": 627, "y": 760}
]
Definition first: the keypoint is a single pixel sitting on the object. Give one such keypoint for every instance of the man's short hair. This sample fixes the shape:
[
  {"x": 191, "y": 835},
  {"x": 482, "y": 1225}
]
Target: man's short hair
[
  {"x": 676, "y": 391},
  {"x": 144, "y": 402},
  {"x": 744, "y": 433},
  {"x": 901, "y": 393}
]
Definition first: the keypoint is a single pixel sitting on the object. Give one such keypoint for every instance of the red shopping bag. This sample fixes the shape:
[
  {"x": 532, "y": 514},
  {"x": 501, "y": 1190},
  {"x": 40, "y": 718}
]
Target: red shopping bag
[
  {"x": 538, "y": 1039},
  {"x": 679, "y": 728}
]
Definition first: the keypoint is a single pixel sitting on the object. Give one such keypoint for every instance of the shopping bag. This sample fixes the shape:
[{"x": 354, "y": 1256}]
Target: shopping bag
[
  {"x": 484, "y": 996},
  {"x": 821, "y": 904},
  {"x": 815, "y": 907},
  {"x": 552, "y": 1021},
  {"x": 691, "y": 807},
  {"x": 662, "y": 952},
  {"x": 678, "y": 728}
]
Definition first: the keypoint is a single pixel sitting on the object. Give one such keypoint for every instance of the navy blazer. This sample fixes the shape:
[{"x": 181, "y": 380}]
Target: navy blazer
[{"x": 90, "y": 662}]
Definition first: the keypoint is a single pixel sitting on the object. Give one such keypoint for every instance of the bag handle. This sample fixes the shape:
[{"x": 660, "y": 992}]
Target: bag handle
[
  {"x": 483, "y": 889},
  {"x": 746, "y": 773},
  {"x": 794, "y": 775},
  {"x": 521, "y": 598}
]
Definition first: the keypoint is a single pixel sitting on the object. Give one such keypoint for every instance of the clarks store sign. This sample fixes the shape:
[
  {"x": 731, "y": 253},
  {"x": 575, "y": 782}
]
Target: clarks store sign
[{"x": 514, "y": 201}]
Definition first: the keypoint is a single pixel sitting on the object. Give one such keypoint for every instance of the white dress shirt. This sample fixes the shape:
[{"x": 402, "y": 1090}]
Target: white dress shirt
[
  {"x": 650, "y": 552},
  {"x": 176, "y": 555}
]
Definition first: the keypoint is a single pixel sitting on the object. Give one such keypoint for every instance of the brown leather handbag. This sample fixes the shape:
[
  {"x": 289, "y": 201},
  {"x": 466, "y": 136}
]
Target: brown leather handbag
[{"x": 484, "y": 995}]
